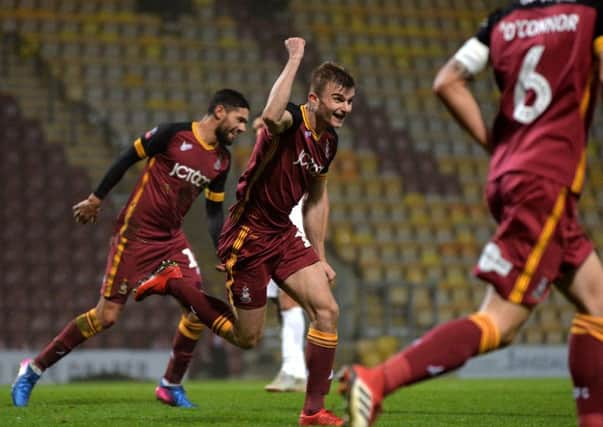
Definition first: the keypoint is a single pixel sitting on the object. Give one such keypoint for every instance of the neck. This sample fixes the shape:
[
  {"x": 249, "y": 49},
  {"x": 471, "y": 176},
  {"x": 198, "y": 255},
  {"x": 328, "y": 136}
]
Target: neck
[
  {"x": 317, "y": 126},
  {"x": 206, "y": 130}
]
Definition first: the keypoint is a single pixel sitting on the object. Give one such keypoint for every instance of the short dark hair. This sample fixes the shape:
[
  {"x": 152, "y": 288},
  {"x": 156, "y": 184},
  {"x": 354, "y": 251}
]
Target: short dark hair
[
  {"x": 330, "y": 72},
  {"x": 229, "y": 99}
]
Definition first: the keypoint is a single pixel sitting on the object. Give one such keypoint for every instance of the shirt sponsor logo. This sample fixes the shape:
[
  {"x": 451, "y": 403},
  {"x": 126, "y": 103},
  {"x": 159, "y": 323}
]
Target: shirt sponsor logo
[
  {"x": 524, "y": 28},
  {"x": 306, "y": 161},
  {"x": 186, "y": 146},
  {"x": 189, "y": 175}
]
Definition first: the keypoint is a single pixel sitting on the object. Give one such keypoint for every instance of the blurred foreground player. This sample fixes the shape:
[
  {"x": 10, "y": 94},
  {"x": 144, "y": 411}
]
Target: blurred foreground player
[
  {"x": 289, "y": 161},
  {"x": 538, "y": 148},
  {"x": 184, "y": 159}
]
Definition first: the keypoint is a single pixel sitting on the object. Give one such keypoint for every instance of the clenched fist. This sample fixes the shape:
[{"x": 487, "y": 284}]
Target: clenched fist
[{"x": 295, "y": 47}]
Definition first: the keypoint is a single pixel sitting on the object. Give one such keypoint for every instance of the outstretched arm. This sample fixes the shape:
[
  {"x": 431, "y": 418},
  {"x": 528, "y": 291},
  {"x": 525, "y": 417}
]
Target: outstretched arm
[
  {"x": 87, "y": 210},
  {"x": 275, "y": 116},
  {"x": 451, "y": 87}
]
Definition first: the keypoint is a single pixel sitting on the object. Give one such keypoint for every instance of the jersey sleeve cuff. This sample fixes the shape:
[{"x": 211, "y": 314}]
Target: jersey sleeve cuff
[
  {"x": 473, "y": 55},
  {"x": 214, "y": 197},
  {"x": 139, "y": 148}
]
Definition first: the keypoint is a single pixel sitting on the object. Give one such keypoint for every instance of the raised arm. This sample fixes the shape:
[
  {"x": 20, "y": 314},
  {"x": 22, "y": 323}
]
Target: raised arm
[
  {"x": 275, "y": 116},
  {"x": 451, "y": 87}
]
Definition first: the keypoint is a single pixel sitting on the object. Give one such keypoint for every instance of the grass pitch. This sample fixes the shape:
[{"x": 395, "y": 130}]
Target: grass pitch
[{"x": 443, "y": 402}]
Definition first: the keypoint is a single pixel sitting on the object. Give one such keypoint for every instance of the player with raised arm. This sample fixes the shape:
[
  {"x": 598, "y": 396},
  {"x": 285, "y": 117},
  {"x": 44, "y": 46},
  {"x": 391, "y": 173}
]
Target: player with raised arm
[
  {"x": 289, "y": 161},
  {"x": 547, "y": 58},
  {"x": 184, "y": 160},
  {"x": 292, "y": 376}
]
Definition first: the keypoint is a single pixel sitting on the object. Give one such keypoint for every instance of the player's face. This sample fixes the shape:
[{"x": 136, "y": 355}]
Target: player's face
[
  {"x": 334, "y": 104},
  {"x": 233, "y": 123}
]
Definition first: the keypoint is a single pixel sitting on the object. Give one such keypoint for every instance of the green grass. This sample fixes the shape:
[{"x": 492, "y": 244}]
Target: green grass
[{"x": 444, "y": 402}]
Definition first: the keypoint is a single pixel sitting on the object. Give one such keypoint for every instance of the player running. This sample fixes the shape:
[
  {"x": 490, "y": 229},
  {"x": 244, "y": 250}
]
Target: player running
[
  {"x": 547, "y": 59},
  {"x": 184, "y": 160},
  {"x": 290, "y": 160}
]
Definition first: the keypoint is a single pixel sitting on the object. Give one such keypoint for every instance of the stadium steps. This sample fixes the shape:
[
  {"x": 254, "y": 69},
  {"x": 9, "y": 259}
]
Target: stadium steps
[{"x": 84, "y": 144}]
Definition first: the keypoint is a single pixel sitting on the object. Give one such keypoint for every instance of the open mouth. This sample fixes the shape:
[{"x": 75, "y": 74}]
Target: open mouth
[{"x": 338, "y": 115}]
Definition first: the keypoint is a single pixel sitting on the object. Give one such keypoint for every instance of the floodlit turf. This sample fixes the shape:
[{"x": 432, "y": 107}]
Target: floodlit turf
[{"x": 444, "y": 402}]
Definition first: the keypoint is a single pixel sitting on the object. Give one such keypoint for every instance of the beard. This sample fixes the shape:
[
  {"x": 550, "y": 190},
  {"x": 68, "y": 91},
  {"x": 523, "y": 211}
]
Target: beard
[{"x": 222, "y": 136}]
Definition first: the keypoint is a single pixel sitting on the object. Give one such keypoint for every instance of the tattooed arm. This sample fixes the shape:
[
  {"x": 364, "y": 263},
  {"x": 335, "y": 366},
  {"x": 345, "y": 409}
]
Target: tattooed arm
[{"x": 451, "y": 87}]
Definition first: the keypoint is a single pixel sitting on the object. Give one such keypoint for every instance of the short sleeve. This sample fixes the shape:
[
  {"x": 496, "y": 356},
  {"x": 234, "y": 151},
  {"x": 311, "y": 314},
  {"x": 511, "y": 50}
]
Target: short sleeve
[{"x": 296, "y": 113}]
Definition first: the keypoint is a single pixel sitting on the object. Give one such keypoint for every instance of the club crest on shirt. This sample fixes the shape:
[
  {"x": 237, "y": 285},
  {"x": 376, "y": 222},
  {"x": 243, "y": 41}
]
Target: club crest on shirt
[
  {"x": 186, "y": 146},
  {"x": 245, "y": 295},
  {"x": 151, "y": 133}
]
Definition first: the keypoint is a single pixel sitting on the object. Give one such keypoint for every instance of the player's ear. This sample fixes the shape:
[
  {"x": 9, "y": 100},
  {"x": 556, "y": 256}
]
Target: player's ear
[
  {"x": 219, "y": 112},
  {"x": 312, "y": 101}
]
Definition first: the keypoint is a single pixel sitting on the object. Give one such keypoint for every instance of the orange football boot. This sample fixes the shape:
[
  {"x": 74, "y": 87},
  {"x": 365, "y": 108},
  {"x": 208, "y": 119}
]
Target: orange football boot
[
  {"x": 156, "y": 283},
  {"x": 321, "y": 418}
]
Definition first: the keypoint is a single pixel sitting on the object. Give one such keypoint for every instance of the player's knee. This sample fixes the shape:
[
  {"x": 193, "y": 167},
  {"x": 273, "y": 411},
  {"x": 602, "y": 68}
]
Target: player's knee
[
  {"x": 508, "y": 335},
  {"x": 107, "y": 318},
  {"x": 328, "y": 316},
  {"x": 496, "y": 331},
  {"x": 592, "y": 302},
  {"x": 249, "y": 340},
  {"x": 107, "y": 322}
]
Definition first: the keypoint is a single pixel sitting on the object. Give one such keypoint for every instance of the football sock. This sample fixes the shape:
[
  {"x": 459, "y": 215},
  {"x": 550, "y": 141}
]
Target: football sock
[
  {"x": 292, "y": 342},
  {"x": 320, "y": 354},
  {"x": 73, "y": 334},
  {"x": 212, "y": 312},
  {"x": 586, "y": 366},
  {"x": 444, "y": 348},
  {"x": 183, "y": 345}
]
